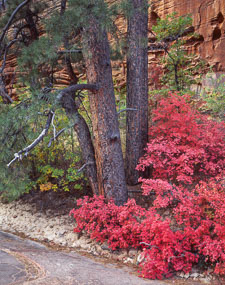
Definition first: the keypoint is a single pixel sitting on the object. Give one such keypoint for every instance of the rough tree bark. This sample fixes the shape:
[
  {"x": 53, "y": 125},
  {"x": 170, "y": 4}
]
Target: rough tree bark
[
  {"x": 137, "y": 88},
  {"x": 83, "y": 134},
  {"x": 108, "y": 152}
]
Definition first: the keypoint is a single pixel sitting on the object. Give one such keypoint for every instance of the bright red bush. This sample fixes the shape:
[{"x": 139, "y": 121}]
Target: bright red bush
[
  {"x": 196, "y": 228},
  {"x": 105, "y": 221},
  {"x": 193, "y": 232},
  {"x": 184, "y": 145}
]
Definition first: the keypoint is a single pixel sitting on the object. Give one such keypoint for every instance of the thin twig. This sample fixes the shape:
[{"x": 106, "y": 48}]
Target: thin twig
[
  {"x": 56, "y": 136},
  {"x": 82, "y": 168},
  {"x": 69, "y": 51},
  {"x": 85, "y": 110},
  {"x": 54, "y": 129}
]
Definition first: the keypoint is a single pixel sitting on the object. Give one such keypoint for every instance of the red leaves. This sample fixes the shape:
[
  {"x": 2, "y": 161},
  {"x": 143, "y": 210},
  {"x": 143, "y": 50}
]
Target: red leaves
[
  {"x": 118, "y": 225},
  {"x": 196, "y": 227},
  {"x": 184, "y": 146}
]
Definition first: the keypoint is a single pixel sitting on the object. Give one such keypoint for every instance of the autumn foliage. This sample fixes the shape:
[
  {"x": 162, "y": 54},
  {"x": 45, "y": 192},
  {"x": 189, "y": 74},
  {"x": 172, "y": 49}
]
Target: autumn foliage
[
  {"x": 185, "y": 225},
  {"x": 185, "y": 146}
]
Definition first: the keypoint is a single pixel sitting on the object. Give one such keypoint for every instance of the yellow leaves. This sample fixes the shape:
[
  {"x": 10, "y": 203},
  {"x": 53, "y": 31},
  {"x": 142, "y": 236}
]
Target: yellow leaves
[
  {"x": 54, "y": 187},
  {"x": 46, "y": 187}
]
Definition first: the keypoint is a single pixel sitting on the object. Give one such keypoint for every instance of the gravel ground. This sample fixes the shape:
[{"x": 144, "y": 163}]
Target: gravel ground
[{"x": 24, "y": 219}]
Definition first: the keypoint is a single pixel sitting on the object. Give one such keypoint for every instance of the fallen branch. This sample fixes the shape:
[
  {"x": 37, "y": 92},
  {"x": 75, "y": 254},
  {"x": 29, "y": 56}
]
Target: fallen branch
[{"x": 35, "y": 142}]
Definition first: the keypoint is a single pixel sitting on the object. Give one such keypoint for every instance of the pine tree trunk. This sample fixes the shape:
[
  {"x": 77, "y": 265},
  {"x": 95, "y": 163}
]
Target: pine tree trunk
[
  {"x": 83, "y": 134},
  {"x": 137, "y": 88},
  {"x": 108, "y": 152}
]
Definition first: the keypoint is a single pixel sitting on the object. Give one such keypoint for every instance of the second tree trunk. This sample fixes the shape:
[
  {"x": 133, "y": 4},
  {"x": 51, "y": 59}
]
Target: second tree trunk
[{"x": 137, "y": 88}]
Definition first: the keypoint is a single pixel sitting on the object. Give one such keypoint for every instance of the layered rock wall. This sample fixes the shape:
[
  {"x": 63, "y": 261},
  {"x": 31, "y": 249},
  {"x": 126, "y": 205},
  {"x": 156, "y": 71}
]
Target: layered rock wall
[{"x": 208, "y": 21}]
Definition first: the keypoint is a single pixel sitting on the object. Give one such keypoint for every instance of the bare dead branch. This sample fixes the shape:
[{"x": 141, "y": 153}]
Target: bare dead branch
[
  {"x": 56, "y": 136},
  {"x": 35, "y": 142},
  {"x": 83, "y": 167},
  {"x": 6, "y": 52},
  {"x": 67, "y": 91}
]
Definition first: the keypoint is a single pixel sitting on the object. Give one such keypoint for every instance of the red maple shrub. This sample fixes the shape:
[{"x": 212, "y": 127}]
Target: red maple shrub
[
  {"x": 184, "y": 146},
  {"x": 105, "y": 221},
  {"x": 186, "y": 224},
  {"x": 194, "y": 233}
]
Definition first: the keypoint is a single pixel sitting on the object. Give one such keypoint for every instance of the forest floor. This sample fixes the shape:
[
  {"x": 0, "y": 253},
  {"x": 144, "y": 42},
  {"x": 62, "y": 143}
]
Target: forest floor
[{"x": 44, "y": 218}]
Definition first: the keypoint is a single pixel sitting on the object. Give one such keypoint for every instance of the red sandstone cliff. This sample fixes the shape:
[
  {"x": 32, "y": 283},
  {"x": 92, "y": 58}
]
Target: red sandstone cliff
[{"x": 208, "y": 22}]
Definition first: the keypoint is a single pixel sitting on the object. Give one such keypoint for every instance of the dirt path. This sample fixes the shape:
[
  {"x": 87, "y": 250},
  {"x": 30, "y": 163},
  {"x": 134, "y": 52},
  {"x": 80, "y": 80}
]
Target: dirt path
[{"x": 23, "y": 261}]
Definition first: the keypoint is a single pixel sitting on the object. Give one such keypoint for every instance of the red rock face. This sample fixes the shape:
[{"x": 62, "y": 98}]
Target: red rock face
[{"x": 208, "y": 21}]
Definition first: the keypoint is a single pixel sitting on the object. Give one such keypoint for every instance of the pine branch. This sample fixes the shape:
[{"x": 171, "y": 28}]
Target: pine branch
[
  {"x": 18, "y": 8},
  {"x": 73, "y": 88},
  {"x": 69, "y": 51},
  {"x": 6, "y": 52},
  {"x": 65, "y": 100}
]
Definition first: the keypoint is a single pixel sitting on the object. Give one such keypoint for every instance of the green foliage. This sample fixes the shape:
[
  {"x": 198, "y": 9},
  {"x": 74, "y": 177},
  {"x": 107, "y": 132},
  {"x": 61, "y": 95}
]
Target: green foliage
[
  {"x": 180, "y": 66},
  {"x": 41, "y": 53},
  {"x": 214, "y": 96},
  {"x": 13, "y": 182},
  {"x": 53, "y": 170},
  {"x": 45, "y": 168},
  {"x": 171, "y": 27}
]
